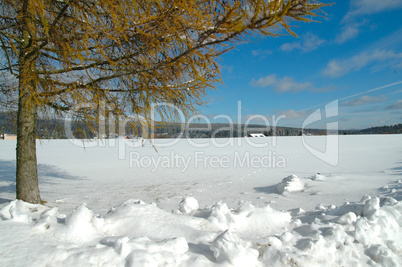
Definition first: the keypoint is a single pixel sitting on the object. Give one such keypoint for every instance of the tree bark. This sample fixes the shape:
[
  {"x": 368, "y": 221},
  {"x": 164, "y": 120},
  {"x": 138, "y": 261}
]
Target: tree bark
[{"x": 27, "y": 173}]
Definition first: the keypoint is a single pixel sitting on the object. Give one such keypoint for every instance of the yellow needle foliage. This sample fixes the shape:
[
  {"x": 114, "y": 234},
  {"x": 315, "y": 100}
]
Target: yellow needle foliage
[{"x": 131, "y": 53}]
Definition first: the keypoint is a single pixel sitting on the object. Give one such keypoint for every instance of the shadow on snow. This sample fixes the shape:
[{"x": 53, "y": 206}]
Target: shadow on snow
[
  {"x": 46, "y": 173},
  {"x": 272, "y": 189},
  {"x": 394, "y": 189}
]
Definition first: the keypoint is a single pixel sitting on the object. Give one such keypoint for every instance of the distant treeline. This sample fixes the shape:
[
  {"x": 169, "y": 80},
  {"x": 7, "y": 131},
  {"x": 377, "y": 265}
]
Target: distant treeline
[
  {"x": 393, "y": 129},
  {"x": 47, "y": 128},
  {"x": 55, "y": 129}
]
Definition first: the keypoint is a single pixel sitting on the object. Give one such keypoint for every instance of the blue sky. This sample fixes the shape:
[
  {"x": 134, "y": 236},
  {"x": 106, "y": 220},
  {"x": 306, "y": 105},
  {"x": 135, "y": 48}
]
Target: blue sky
[{"x": 354, "y": 56}]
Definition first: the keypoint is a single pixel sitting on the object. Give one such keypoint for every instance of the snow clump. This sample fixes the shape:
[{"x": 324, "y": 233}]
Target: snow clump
[
  {"x": 188, "y": 205},
  {"x": 291, "y": 183},
  {"x": 229, "y": 248}
]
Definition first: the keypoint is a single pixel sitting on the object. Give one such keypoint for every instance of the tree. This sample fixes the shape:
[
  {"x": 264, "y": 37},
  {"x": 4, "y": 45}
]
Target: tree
[{"x": 56, "y": 54}]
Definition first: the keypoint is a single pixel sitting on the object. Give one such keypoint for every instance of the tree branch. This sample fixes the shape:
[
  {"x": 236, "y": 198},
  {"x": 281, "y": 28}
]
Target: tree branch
[{"x": 7, "y": 55}]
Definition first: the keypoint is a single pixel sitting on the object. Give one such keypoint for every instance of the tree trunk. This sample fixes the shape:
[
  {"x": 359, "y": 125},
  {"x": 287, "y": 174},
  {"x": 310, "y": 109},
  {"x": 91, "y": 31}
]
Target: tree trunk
[{"x": 27, "y": 173}]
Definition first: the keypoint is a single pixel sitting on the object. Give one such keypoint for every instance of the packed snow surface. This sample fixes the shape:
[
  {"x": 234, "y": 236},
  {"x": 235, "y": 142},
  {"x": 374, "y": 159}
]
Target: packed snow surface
[{"x": 262, "y": 202}]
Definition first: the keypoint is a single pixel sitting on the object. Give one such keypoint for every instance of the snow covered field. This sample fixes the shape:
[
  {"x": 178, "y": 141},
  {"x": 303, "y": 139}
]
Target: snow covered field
[{"x": 240, "y": 202}]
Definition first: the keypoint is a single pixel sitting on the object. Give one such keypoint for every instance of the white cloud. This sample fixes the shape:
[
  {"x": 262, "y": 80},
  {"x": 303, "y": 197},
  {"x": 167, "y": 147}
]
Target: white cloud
[
  {"x": 286, "y": 84},
  {"x": 338, "y": 68},
  {"x": 349, "y": 31},
  {"x": 295, "y": 114},
  {"x": 289, "y": 84},
  {"x": 308, "y": 42},
  {"x": 397, "y": 92},
  {"x": 264, "y": 81},
  {"x": 261, "y": 52},
  {"x": 365, "y": 7},
  {"x": 368, "y": 110},
  {"x": 290, "y": 46},
  {"x": 363, "y": 100},
  {"x": 397, "y": 65},
  {"x": 358, "y": 9},
  {"x": 229, "y": 69},
  {"x": 396, "y": 105},
  {"x": 290, "y": 114}
]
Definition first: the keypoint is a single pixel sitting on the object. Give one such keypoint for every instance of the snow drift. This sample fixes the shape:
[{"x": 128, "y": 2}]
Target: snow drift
[
  {"x": 139, "y": 234},
  {"x": 306, "y": 213}
]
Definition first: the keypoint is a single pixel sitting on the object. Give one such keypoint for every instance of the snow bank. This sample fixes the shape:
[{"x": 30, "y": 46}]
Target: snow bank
[
  {"x": 291, "y": 183},
  {"x": 249, "y": 220},
  {"x": 229, "y": 248},
  {"x": 135, "y": 233},
  {"x": 188, "y": 205},
  {"x": 318, "y": 177}
]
